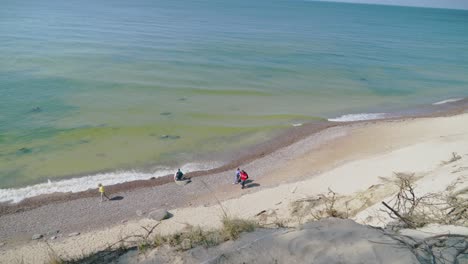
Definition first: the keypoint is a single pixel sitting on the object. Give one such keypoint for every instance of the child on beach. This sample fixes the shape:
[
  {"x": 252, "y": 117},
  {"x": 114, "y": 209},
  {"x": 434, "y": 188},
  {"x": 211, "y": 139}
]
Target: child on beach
[
  {"x": 243, "y": 178},
  {"x": 103, "y": 193},
  {"x": 237, "y": 176}
]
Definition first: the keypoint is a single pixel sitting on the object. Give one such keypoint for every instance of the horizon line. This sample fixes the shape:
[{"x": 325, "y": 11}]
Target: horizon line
[{"x": 389, "y": 4}]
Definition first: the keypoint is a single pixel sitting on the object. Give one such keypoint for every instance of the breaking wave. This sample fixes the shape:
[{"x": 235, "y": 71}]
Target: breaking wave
[
  {"x": 358, "y": 117},
  {"x": 451, "y": 100},
  {"x": 79, "y": 184}
]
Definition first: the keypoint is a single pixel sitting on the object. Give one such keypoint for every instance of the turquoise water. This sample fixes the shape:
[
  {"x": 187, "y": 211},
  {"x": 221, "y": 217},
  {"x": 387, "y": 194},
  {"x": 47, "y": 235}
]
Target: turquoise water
[{"x": 87, "y": 87}]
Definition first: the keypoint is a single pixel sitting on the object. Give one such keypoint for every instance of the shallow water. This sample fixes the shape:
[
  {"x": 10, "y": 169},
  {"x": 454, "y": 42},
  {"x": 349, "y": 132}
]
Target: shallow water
[{"x": 87, "y": 87}]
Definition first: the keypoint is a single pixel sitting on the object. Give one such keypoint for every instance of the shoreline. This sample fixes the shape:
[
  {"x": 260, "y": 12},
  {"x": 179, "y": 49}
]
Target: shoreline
[
  {"x": 282, "y": 140},
  {"x": 342, "y": 158}
]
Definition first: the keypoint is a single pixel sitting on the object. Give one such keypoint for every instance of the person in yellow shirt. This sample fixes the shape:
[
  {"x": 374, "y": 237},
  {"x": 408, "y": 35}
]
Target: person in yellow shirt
[{"x": 103, "y": 193}]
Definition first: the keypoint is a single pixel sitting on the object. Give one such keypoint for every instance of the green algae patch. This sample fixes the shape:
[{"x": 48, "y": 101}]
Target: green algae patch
[
  {"x": 224, "y": 92},
  {"x": 87, "y": 150}
]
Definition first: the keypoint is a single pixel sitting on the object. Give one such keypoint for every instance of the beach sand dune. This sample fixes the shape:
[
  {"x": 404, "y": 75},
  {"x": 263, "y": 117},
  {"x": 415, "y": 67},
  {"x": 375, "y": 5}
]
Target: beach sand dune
[{"x": 326, "y": 241}]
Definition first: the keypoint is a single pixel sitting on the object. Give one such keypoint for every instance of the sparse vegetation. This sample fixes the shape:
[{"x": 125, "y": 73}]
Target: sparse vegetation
[
  {"x": 53, "y": 256},
  {"x": 416, "y": 211},
  {"x": 196, "y": 236},
  {"x": 319, "y": 207},
  {"x": 329, "y": 207},
  {"x": 231, "y": 230},
  {"x": 452, "y": 159},
  {"x": 55, "y": 260},
  {"x": 280, "y": 223},
  {"x": 233, "y": 227}
]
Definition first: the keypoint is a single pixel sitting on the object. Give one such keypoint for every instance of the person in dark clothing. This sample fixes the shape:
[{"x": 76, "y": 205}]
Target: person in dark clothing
[{"x": 178, "y": 176}]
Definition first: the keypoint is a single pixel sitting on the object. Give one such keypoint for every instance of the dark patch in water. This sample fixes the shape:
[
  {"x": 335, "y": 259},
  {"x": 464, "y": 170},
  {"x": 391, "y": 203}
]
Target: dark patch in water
[
  {"x": 363, "y": 79},
  {"x": 101, "y": 155},
  {"x": 36, "y": 109},
  {"x": 83, "y": 141},
  {"x": 165, "y": 113},
  {"x": 169, "y": 137},
  {"x": 24, "y": 151},
  {"x": 182, "y": 99}
]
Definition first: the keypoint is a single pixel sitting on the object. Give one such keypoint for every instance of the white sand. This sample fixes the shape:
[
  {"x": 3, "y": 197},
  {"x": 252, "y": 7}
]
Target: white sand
[{"x": 378, "y": 149}]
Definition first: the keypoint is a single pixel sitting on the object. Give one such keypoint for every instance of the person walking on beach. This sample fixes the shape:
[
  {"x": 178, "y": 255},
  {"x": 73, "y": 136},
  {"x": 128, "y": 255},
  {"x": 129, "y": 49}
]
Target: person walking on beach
[
  {"x": 103, "y": 193},
  {"x": 237, "y": 176},
  {"x": 243, "y": 178}
]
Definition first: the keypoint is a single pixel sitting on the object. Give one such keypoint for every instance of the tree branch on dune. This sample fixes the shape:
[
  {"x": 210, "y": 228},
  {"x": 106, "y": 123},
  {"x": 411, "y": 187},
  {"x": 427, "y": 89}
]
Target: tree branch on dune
[
  {"x": 408, "y": 222},
  {"x": 416, "y": 211}
]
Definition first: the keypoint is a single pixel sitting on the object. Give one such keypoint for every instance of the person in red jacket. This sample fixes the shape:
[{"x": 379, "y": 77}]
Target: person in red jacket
[{"x": 243, "y": 177}]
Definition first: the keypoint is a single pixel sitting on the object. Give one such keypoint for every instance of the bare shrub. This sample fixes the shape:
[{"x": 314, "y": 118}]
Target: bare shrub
[
  {"x": 319, "y": 207},
  {"x": 328, "y": 207},
  {"x": 406, "y": 206},
  {"x": 417, "y": 211},
  {"x": 454, "y": 158}
]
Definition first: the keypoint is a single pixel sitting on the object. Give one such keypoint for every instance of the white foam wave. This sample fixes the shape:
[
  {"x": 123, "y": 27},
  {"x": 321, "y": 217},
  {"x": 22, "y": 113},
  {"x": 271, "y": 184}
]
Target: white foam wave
[
  {"x": 15, "y": 195},
  {"x": 358, "y": 117},
  {"x": 451, "y": 100}
]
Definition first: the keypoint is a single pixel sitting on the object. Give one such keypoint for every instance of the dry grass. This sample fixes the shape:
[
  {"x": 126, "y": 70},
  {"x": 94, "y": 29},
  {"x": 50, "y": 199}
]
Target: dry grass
[
  {"x": 319, "y": 207},
  {"x": 196, "y": 237},
  {"x": 55, "y": 260},
  {"x": 232, "y": 228}
]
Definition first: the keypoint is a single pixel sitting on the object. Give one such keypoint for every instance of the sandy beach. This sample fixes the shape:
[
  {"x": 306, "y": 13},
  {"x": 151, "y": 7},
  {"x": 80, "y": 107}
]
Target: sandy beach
[{"x": 353, "y": 160}]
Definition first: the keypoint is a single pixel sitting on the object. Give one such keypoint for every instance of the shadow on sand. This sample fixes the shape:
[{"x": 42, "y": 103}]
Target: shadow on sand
[
  {"x": 116, "y": 198},
  {"x": 183, "y": 182},
  {"x": 250, "y": 184}
]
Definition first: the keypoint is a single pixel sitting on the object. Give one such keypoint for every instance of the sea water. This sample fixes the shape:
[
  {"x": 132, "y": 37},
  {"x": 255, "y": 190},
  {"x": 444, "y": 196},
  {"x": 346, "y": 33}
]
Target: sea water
[{"x": 125, "y": 88}]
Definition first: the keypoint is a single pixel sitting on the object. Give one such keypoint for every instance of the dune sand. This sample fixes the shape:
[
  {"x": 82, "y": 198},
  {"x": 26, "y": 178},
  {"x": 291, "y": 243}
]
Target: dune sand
[{"x": 352, "y": 160}]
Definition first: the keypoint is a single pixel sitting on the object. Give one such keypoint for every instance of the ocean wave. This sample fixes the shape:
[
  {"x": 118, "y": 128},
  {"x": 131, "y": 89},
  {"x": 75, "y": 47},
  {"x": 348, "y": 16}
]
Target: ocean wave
[
  {"x": 15, "y": 195},
  {"x": 451, "y": 100},
  {"x": 358, "y": 117}
]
